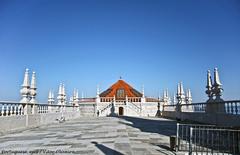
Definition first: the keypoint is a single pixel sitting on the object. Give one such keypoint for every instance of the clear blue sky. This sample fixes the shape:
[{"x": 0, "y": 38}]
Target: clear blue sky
[{"x": 88, "y": 42}]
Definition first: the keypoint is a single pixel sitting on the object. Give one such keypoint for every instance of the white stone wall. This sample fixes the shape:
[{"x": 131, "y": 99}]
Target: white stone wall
[
  {"x": 149, "y": 109},
  {"x": 19, "y": 122},
  {"x": 129, "y": 109}
]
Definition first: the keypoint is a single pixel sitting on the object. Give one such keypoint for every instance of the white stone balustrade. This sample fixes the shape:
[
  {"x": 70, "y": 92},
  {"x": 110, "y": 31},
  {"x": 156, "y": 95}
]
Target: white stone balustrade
[
  {"x": 107, "y": 99},
  {"x": 134, "y": 99},
  {"x": 15, "y": 108},
  {"x": 11, "y": 108}
]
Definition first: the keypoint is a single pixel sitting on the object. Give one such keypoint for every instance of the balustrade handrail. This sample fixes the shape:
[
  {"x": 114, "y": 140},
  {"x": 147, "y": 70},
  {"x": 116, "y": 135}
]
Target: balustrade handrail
[
  {"x": 200, "y": 103},
  {"x": 41, "y": 104},
  {"x": 135, "y": 105}
]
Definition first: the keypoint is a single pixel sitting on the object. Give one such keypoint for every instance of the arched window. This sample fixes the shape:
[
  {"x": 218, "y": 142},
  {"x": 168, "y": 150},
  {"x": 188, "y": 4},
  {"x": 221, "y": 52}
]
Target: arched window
[{"x": 120, "y": 94}]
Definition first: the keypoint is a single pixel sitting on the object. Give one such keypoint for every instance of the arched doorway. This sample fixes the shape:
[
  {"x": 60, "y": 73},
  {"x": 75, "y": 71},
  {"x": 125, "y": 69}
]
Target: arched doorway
[{"x": 120, "y": 111}]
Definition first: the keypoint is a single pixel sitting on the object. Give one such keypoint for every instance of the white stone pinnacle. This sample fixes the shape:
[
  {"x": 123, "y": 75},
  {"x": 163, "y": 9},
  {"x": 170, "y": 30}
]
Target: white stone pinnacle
[
  {"x": 178, "y": 90},
  {"x": 33, "y": 81},
  {"x": 60, "y": 89},
  {"x": 63, "y": 90},
  {"x": 189, "y": 93},
  {"x": 26, "y": 79},
  {"x": 181, "y": 88},
  {"x": 98, "y": 91},
  {"x": 209, "y": 80},
  {"x": 216, "y": 77},
  {"x": 77, "y": 97},
  {"x": 143, "y": 93}
]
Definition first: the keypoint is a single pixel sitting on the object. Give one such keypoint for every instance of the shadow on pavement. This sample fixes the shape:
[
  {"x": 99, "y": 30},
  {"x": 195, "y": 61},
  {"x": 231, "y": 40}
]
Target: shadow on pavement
[
  {"x": 106, "y": 150},
  {"x": 160, "y": 126}
]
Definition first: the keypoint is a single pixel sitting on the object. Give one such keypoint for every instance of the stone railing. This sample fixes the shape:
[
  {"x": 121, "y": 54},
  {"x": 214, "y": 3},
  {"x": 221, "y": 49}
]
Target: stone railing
[
  {"x": 106, "y": 99},
  {"x": 225, "y": 113},
  {"x": 230, "y": 107},
  {"x": 134, "y": 107},
  {"x": 134, "y": 99},
  {"x": 16, "y": 116},
  {"x": 11, "y": 108},
  {"x": 15, "y": 108},
  {"x": 105, "y": 108}
]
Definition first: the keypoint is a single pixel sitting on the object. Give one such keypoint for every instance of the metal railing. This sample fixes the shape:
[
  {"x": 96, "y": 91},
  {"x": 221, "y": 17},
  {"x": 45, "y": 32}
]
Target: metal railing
[
  {"x": 208, "y": 139},
  {"x": 169, "y": 107}
]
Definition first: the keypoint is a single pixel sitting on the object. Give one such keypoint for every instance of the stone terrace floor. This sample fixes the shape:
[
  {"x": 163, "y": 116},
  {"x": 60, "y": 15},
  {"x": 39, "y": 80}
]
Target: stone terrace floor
[{"x": 102, "y": 135}]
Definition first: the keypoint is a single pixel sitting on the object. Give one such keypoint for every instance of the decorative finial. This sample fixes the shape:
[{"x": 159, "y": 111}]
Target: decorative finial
[
  {"x": 33, "y": 88},
  {"x": 178, "y": 90},
  {"x": 63, "y": 90},
  {"x": 216, "y": 78},
  {"x": 143, "y": 92},
  {"x": 98, "y": 91},
  {"x": 209, "y": 85},
  {"x": 26, "y": 79},
  {"x": 60, "y": 89},
  {"x": 120, "y": 77},
  {"x": 181, "y": 88},
  {"x": 25, "y": 91}
]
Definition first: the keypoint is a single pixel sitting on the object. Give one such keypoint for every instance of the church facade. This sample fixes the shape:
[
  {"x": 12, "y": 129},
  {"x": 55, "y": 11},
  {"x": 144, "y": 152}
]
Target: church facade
[{"x": 121, "y": 99}]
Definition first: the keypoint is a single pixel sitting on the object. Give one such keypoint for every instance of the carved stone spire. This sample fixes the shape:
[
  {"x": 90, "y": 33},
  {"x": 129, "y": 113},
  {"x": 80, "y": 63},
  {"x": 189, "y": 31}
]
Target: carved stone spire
[
  {"x": 97, "y": 96},
  {"x": 216, "y": 78},
  {"x": 60, "y": 94},
  {"x": 209, "y": 86},
  {"x": 174, "y": 99},
  {"x": 217, "y": 86},
  {"x": 74, "y": 94},
  {"x": 60, "y": 89},
  {"x": 64, "y": 94},
  {"x": 143, "y": 93},
  {"x": 25, "y": 88},
  {"x": 189, "y": 96},
  {"x": 98, "y": 91},
  {"x": 181, "y": 88},
  {"x": 50, "y": 98},
  {"x": 26, "y": 79},
  {"x": 178, "y": 90},
  {"x": 33, "y": 88}
]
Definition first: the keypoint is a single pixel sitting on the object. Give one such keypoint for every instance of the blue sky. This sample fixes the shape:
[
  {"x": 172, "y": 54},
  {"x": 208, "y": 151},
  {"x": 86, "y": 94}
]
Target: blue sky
[{"x": 88, "y": 42}]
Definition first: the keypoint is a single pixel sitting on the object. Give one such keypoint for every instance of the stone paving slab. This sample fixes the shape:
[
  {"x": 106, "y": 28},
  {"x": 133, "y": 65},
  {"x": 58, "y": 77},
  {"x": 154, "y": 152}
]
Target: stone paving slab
[{"x": 97, "y": 136}]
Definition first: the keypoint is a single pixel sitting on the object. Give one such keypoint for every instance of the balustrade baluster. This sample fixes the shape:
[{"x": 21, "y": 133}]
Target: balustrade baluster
[
  {"x": 2, "y": 110},
  {"x": 7, "y": 110},
  {"x": 236, "y": 108},
  {"x": 18, "y": 109},
  {"x": 22, "y": 110},
  {"x": 11, "y": 110},
  {"x": 232, "y": 108},
  {"x": 15, "y": 110},
  {"x": 228, "y": 107}
]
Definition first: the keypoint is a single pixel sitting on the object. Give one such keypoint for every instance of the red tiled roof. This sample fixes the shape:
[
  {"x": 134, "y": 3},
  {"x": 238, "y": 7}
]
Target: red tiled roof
[{"x": 120, "y": 84}]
